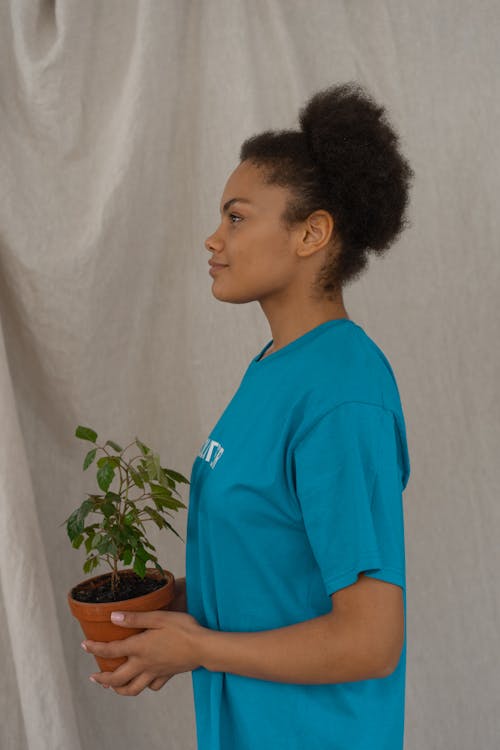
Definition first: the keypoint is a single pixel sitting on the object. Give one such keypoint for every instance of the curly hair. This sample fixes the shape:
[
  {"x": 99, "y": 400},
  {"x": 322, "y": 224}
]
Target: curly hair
[{"x": 344, "y": 159}]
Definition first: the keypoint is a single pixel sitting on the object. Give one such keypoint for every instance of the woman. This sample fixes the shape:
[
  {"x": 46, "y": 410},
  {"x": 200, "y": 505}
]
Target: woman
[{"x": 293, "y": 619}]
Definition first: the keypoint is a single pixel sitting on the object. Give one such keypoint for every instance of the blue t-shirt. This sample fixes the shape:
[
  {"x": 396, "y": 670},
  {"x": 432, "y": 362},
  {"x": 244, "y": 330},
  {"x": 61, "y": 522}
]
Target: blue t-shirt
[{"x": 298, "y": 489}]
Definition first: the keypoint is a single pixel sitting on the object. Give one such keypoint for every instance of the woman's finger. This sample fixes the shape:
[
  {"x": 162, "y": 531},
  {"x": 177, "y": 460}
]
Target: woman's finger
[
  {"x": 159, "y": 682},
  {"x": 135, "y": 686},
  {"x": 111, "y": 649},
  {"x": 121, "y": 677}
]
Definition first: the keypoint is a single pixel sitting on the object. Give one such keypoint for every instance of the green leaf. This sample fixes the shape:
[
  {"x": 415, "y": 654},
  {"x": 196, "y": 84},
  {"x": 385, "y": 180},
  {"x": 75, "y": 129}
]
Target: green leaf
[
  {"x": 130, "y": 518},
  {"x": 158, "y": 566},
  {"x": 142, "y": 554},
  {"x": 114, "y": 496},
  {"x": 77, "y": 541},
  {"x": 160, "y": 490},
  {"x": 166, "y": 481},
  {"x": 144, "y": 475},
  {"x": 160, "y": 508},
  {"x": 95, "y": 498},
  {"x": 112, "y": 549},
  {"x": 86, "y": 433},
  {"x": 155, "y": 516},
  {"x": 90, "y": 563},
  {"x": 105, "y": 474},
  {"x": 172, "y": 529},
  {"x": 132, "y": 536},
  {"x": 136, "y": 478},
  {"x": 111, "y": 460},
  {"x": 107, "y": 547},
  {"x": 76, "y": 520},
  {"x": 171, "y": 502},
  {"x": 108, "y": 509},
  {"x": 151, "y": 467},
  {"x": 89, "y": 458},
  {"x": 114, "y": 445},
  {"x": 176, "y": 475},
  {"x": 127, "y": 555},
  {"x": 142, "y": 471},
  {"x": 139, "y": 567},
  {"x": 120, "y": 535},
  {"x": 73, "y": 525},
  {"x": 96, "y": 540},
  {"x": 144, "y": 449},
  {"x": 112, "y": 527},
  {"x": 90, "y": 531},
  {"x": 156, "y": 464},
  {"x": 102, "y": 546},
  {"x": 87, "y": 506}
]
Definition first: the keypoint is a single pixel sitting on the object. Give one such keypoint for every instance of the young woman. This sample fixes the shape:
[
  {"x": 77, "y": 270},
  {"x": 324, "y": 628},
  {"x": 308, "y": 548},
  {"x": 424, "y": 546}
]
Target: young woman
[{"x": 292, "y": 615}]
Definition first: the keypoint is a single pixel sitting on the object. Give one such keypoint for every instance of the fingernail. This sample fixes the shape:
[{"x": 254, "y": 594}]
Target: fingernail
[
  {"x": 117, "y": 616},
  {"x": 82, "y": 644},
  {"x": 93, "y": 680}
]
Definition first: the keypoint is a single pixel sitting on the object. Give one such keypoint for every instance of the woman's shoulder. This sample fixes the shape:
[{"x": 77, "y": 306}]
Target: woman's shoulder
[{"x": 350, "y": 366}]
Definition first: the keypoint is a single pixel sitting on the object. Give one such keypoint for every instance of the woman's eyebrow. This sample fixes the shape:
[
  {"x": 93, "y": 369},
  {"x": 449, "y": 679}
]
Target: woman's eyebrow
[{"x": 228, "y": 203}]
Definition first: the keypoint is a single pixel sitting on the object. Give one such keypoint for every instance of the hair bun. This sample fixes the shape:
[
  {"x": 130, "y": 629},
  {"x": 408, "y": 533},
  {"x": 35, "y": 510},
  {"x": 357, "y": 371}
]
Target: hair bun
[
  {"x": 338, "y": 115},
  {"x": 350, "y": 139}
]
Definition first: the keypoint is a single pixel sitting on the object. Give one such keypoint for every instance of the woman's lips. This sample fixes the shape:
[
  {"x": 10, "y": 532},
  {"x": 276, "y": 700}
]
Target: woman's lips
[{"x": 216, "y": 267}]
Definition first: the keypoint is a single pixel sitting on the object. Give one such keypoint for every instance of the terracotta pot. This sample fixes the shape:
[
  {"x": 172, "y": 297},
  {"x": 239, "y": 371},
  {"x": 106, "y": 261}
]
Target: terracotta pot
[{"x": 95, "y": 619}]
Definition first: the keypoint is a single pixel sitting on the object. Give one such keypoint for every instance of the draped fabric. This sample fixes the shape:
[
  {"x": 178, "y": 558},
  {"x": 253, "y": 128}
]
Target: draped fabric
[{"x": 120, "y": 122}]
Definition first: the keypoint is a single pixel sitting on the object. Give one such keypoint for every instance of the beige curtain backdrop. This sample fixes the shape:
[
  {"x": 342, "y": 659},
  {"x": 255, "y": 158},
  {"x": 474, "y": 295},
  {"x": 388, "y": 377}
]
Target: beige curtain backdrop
[{"x": 120, "y": 123}]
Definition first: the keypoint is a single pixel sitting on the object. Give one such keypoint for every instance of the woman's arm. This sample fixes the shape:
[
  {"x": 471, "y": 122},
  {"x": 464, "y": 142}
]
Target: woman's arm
[
  {"x": 360, "y": 640},
  {"x": 317, "y": 651}
]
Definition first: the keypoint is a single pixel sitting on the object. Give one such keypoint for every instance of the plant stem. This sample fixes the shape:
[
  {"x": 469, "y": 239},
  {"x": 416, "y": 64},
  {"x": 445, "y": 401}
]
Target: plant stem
[{"x": 114, "y": 578}]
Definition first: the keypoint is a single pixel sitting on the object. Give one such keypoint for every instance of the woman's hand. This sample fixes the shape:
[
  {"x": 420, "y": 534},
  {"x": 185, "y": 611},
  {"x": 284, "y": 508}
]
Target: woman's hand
[{"x": 171, "y": 644}]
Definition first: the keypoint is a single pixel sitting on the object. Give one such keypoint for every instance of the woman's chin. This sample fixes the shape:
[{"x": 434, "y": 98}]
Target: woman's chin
[{"x": 222, "y": 296}]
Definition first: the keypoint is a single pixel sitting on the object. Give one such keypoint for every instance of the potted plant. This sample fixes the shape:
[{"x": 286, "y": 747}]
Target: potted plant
[{"x": 119, "y": 535}]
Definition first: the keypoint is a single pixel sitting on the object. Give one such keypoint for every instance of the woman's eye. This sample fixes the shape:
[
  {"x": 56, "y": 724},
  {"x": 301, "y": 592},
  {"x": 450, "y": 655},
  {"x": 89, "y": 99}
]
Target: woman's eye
[{"x": 234, "y": 216}]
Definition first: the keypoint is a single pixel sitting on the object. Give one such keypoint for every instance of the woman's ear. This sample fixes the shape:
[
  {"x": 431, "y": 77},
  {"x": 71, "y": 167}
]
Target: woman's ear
[{"x": 317, "y": 233}]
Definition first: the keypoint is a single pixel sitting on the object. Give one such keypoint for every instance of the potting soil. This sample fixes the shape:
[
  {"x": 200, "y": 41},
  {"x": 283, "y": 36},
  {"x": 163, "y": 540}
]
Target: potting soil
[{"x": 130, "y": 586}]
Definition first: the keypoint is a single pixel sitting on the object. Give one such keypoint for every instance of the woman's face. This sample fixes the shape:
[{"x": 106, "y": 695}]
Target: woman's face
[{"x": 258, "y": 252}]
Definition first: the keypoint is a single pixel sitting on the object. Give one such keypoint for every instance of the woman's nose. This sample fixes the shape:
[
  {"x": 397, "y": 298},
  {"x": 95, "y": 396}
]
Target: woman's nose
[{"x": 209, "y": 243}]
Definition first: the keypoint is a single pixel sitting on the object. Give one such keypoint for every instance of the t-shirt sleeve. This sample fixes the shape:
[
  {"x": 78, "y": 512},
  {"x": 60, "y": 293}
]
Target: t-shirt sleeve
[{"x": 349, "y": 475}]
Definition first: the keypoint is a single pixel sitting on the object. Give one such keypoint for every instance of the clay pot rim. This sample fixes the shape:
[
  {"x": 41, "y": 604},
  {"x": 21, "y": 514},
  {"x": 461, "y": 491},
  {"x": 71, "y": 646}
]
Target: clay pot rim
[{"x": 120, "y": 603}]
